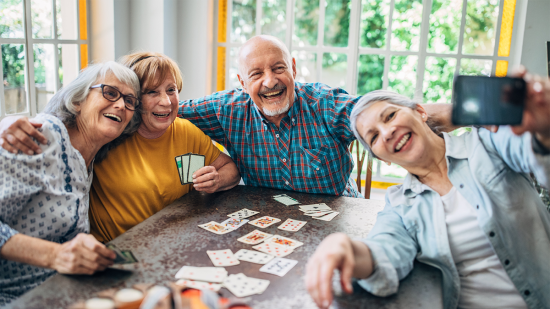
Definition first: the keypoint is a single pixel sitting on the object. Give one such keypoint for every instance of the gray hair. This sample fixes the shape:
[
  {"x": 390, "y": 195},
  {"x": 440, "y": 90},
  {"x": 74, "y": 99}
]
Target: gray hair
[
  {"x": 65, "y": 103},
  {"x": 271, "y": 39},
  {"x": 381, "y": 95}
]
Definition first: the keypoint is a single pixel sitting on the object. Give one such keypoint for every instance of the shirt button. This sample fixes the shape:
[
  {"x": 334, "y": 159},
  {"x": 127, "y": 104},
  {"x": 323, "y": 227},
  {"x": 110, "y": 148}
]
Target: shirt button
[
  {"x": 492, "y": 234},
  {"x": 461, "y": 186},
  {"x": 526, "y": 293},
  {"x": 506, "y": 262},
  {"x": 277, "y": 135},
  {"x": 317, "y": 168},
  {"x": 284, "y": 160},
  {"x": 286, "y": 182},
  {"x": 477, "y": 206}
]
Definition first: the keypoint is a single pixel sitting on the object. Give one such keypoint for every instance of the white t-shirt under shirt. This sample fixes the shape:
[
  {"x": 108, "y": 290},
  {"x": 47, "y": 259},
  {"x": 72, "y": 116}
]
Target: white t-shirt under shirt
[{"x": 483, "y": 281}]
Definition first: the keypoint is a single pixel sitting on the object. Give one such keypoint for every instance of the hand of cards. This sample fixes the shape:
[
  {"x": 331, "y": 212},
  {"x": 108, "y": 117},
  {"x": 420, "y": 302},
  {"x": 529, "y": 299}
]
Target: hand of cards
[
  {"x": 285, "y": 199},
  {"x": 122, "y": 257},
  {"x": 188, "y": 164}
]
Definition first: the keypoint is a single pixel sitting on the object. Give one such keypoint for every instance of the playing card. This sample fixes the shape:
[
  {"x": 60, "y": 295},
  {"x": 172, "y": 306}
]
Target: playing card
[
  {"x": 234, "y": 223},
  {"x": 200, "y": 285},
  {"x": 288, "y": 201},
  {"x": 264, "y": 222},
  {"x": 278, "y": 266},
  {"x": 195, "y": 163},
  {"x": 120, "y": 258},
  {"x": 243, "y": 213},
  {"x": 253, "y": 256},
  {"x": 254, "y": 237},
  {"x": 208, "y": 274},
  {"x": 222, "y": 257},
  {"x": 318, "y": 213},
  {"x": 216, "y": 228},
  {"x": 321, "y": 206},
  {"x": 285, "y": 241},
  {"x": 242, "y": 286},
  {"x": 274, "y": 249},
  {"x": 258, "y": 286},
  {"x": 327, "y": 217},
  {"x": 180, "y": 171},
  {"x": 130, "y": 258},
  {"x": 292, "y": 225}
]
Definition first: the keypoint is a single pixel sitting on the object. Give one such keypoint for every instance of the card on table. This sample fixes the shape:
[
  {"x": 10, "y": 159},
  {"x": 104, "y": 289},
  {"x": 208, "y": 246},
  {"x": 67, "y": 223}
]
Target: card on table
[
  {"x": 285, "y": 199},
  {"x": 243, "y": 213},
  {"x": 253, "y": 256},
  {"x": 242, "y": 286},
  {"x": 254, "y": 237},
  {"x": 292, "y": 225},
  {"x": 274, "y": 249},
  {"x": 184, "y": 167},
  {"x": 278, "y": 266},
  {"x": 222, "y": 257},
  {"x": 208, "y": 274},
  {"x": 199, "y": 285},
  {"x": 318, "y": 213},
  {"x": 216, "y": 228},
  {"x": 285, "y": 241},
  {"x": 321, "y": 206},
  {"x": 196, "y": 162},
  {"x": 327, "y": 217},
  {"x": 264, "y": 222},
  {"x": 234, "y": 223}
]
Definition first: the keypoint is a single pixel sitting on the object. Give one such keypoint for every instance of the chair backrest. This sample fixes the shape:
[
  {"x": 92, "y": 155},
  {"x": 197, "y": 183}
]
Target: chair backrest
[{"x": 360, "y": 161}]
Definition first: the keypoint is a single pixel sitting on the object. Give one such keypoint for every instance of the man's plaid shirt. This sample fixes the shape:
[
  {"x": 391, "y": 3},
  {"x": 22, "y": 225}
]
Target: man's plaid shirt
[{"x": 308, "y": 153}]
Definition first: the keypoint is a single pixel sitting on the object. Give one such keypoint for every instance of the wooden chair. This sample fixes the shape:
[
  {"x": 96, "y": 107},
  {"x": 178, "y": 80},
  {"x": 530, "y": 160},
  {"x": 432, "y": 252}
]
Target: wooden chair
[{"x": 360, "y": 161}]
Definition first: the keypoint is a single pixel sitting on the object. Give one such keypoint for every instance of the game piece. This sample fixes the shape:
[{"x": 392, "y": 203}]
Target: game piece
[
  {"x": 274, "y": 249},
  {"x": 242, "y": 286},
  {"x": 292, "y": 225},
  {"x": 216, "y": 228},
  {"x": 243, "y": 213},
  {"x": 253, "y": 256},
  {"x": 284, "y": 241},
  {"x": 233, "y": 223},
  {"x": 196, "y": 162},
  {"x": 264, "y": 222},
  {"x": 254, "y": 237},
  {"x": 278, "y": 266},
  {"x": 222, "y": 257}
]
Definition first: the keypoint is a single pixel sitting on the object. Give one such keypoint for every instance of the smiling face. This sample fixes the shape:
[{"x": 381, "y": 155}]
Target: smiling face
[
  {"x": 267, "y": 74},
  {"x": 101, "y": 119},
  {"x": 160, "y": 108},
  {"x": 395, "y": 133}
]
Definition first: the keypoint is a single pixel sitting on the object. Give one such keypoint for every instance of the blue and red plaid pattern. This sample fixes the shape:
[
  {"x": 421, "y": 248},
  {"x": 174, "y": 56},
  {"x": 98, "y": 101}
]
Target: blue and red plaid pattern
[{"x": 308, "y": 153}]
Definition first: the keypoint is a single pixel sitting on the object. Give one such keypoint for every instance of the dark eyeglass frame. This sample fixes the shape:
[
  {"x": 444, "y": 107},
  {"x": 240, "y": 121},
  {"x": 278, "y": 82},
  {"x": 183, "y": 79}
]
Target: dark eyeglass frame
[{"x": 124, "y": 96}]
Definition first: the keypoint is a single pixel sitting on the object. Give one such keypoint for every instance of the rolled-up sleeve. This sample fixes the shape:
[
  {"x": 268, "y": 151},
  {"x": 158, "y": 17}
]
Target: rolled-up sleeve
[{"x": 393, "y": 251}]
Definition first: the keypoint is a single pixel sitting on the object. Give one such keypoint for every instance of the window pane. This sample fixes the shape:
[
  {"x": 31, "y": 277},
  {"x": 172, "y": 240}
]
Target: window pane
[
  {"x": 42, "y": 19},
  {"x": 445, "y": 26},
  {"x": 13, "y": 64},
  {"x": 475, "y": 67},
  {"x": 337, "y": 22},
  {"x": 374, "y": 23},
  {"x": 244, "y": 20},
  {"x": 306, "y": 66},
  {"x": 274, "y": 18},
  {"x": 334, "y": 70},
  {"x": 11, "y": 23},
  {"x": 234, "y": 68},
  {"x": 438, "y": 79},
  {"x": 402, "y": 75},
  {"x": 407, "y": 18},
  {"x": 370, "y": 73},
  {"x": 479, "y": 32},
  {"x": 66, "y": 19},
  {"x": 392, "y": 171},
  {"x": 68, "y": 63},
  {"x": 44, "y": 74},
  {"x": 306, "y": 20}
]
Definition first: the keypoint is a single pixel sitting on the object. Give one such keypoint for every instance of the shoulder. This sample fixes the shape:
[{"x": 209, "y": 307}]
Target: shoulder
[
  {"x": 225, "y": 97},
  {"x": 322, "y": 95},
  {"x": 52, "y": 127}
]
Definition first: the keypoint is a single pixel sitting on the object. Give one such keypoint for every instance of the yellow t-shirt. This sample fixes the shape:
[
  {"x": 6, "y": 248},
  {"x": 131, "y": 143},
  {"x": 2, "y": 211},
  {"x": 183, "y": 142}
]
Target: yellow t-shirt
[{"x": 140, "y": 177}]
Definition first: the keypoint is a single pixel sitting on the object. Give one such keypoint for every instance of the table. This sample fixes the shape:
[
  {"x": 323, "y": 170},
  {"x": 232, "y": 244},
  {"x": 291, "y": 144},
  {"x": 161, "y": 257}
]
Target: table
[{"x": 171, "y": 238}]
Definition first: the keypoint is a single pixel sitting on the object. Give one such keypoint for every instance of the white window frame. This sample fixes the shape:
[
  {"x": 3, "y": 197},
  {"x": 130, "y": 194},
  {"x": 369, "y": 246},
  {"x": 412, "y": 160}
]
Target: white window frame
[
  {"x": 28, "y": 41},
  {"x": 353, "y": 50}
]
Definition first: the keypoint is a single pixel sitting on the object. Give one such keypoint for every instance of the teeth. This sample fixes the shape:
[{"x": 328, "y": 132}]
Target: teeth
[
  {"x": 269, "y": 94},
  {"x": 161, "y": 115},
  {"x": 403, "y": 141},
  {"x": 113, "y": 116}
]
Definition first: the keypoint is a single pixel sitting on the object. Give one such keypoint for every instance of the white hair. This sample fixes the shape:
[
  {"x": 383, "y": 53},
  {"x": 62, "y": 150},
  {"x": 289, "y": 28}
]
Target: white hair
[{"x": 273, "y": 40}]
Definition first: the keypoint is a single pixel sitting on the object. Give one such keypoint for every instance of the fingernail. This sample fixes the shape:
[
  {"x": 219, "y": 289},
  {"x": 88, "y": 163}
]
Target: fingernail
[
  {"x": 325, "y": 304},
  {"x": 537, "y": 87},
  {"x": 39, "y": 151},
  {"x": 30, "y": 153}
]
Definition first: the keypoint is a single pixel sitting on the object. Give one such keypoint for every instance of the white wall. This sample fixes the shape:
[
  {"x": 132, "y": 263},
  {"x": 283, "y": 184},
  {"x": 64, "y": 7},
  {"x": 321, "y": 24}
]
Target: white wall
[
  {"x": 180, "y": 29},
  {"x": 537, "y": 32}
]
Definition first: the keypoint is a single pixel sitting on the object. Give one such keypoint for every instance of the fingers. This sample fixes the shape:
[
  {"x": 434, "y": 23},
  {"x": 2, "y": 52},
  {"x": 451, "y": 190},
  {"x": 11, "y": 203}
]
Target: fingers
[
  {"x": 17, "y": 134},
  {"x": 312, "y": 279},
  {"x": 346, "y": 273},
  {"x": 83, "y": 255},
  {"x": 325, "y": 282},
  {"x": 206, "y": 179}
]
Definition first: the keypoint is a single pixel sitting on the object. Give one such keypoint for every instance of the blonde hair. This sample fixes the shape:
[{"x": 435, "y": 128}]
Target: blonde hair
[{"x": 152, "y": 69}]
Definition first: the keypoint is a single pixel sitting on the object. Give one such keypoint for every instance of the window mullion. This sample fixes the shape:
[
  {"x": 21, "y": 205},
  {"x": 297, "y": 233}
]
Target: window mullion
[
  {"x": 353, "y": 43},
  {"x": 461, "y": 36},
  {"x": 2, "y": 94},
  {"x": 422, "y": 49},
  {"x": 387, "y": 56},
  {"x": 497, "y": 37},
  {"x": 320, "y": 38},
  {"x": 289, "y": 23},
  {"x": 29, "y": 58},
  {"x": 258, "y": 17}
]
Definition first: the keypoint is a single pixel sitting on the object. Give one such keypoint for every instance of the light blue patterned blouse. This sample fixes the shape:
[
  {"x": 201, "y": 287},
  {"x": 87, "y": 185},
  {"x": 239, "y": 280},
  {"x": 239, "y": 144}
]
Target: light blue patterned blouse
[{"x": 43, "y": 196}]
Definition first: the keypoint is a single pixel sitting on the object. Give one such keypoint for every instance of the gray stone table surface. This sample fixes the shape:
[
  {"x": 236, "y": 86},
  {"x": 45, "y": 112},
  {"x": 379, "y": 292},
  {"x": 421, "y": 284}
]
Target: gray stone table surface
[{"x": 171, "y": 239}]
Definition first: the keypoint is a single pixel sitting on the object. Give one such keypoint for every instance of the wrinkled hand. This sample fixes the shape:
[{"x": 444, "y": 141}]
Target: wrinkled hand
[
  {"x": 334, "y": 252},
  {"x": 82, "y": 255},
  {"x": 207, "y": 179},
  {"x": 16, "y": 133}
]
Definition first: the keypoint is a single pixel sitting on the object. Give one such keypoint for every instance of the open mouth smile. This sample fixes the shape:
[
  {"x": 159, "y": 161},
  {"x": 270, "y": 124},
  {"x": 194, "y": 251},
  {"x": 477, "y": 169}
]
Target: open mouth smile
[
  {"x": 273, "y": 94},
  {"x": 402, "y": 142},
  {"x": 113, "y": 117},
  {"x": 158, "y": 115}
]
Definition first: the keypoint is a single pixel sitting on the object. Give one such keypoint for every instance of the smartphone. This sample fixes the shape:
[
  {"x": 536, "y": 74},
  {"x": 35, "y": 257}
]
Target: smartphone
[{"x": 483, "y": 100}]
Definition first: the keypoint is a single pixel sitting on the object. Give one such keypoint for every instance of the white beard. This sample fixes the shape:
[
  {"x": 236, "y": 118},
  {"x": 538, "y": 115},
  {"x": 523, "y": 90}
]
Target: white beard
[{"x": 277, "y": 112}]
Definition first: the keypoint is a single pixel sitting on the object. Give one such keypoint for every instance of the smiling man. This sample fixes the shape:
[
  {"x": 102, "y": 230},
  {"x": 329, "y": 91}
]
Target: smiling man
[{"x": 281, "y": 134}]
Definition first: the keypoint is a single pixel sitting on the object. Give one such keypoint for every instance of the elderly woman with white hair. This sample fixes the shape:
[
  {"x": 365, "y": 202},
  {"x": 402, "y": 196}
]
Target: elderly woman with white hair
[
  {"x": 466, "y": 207},
  {"x": 44, "y": 197}
]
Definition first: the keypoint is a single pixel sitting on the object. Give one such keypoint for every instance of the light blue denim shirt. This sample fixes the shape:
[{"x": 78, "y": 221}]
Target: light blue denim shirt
[{"x": 491, "y": 172}]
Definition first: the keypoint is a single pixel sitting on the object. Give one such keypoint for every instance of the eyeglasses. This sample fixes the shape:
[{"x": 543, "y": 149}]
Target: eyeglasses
[{"x": 112, "y": 94}]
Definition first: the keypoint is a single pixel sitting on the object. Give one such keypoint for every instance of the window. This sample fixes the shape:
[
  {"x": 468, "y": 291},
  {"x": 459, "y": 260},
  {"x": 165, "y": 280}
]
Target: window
[
  {"x": 413, "y": 47},
  {"x": 44, "y": 44}
]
